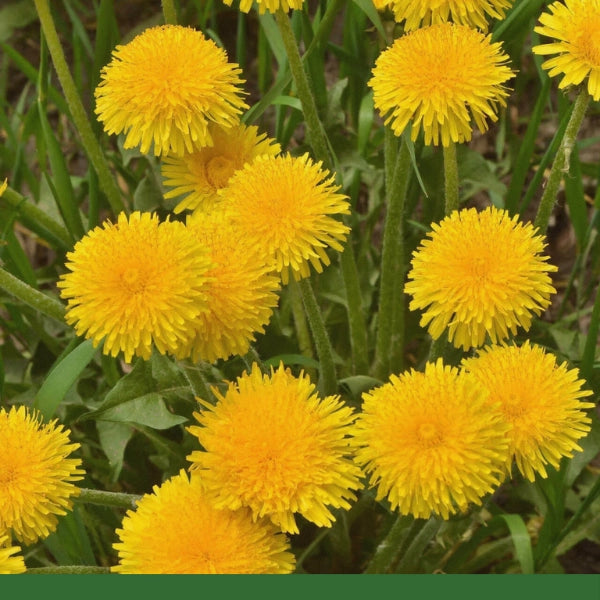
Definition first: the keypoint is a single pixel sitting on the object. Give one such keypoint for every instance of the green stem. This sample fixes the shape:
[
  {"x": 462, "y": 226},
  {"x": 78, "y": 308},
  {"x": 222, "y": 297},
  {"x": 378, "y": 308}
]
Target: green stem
[
  {"x": 327, "y": 379},
  {"x": 252, "y": 357},
  {"x": 561, "y": 163},
  {"x": 41, "y": 302},
  {"x": 78, "y": 114},
  {"x": 450, "y": 178},
  {"x": 118, "y": 499},
  {"x": 390, "y": 322},
  {"x": 387, "y": 551},
  {"x": 35, "y": 218},
  {"x": 413, "y": 554},
  {"x": 301, "y": 326},
  {"x": 320, "y": 145},
  {"x": 316, "y": 132},
  {"x": 169, "y": 12},
  {"x": 69, "y": 570},
  {"x": 356, "y": 319}
]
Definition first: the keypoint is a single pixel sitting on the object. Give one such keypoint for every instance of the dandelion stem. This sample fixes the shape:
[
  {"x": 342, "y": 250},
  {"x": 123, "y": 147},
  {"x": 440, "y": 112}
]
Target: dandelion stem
[
  {"x": 39, "y": 301},
  {"x": 450, "y": 178},
  {"x": 169, "y": 12},
  {"x": 388, "y": 550},
  {"x": 390, "y": 317},
  {"x": 302, "y": 332},
  {"x": 320, "y": 145},
  {"x": 316, "y": 132},
  {"x": 561, "y": 163},
  {"x": 36, "y": 219},
  {"x": 69, "y": 570},
  {"x": 327, "y": 379},
  {"x": 425, "y": 530},
  {"x": 78, "y": 114},
  {"x": 107, "y": 498}
]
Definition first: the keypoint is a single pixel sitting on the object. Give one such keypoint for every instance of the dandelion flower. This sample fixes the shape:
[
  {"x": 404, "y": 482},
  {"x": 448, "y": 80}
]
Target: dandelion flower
[
  {"x": 442, "y": 79},
  {"x": 431, "y": 441},
  {"x": 479, "y": 273},
  {"x": 272, "y": 445},
  {"x": 200, "y": 174},
  {"x": 35, "y": 474},
  {"x": 539, "y": 399},
  {"x": 240, "y": 295},
  {"x": 134, "y": 283},
  {"x": 175, "y": 530},
  {"x": 286, "y": 207},
  {"x": 574, "y": 27},
  {"x": 472, "y": 13},
  {"x": 165, "y": 87},
  {"x": 271, "y": 6},
  {"x": 9, "y": 564}
]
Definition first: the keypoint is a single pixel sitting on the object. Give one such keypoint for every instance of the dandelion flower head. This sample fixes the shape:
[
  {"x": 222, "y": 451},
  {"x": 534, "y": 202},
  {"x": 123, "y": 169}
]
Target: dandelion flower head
[
  {"x": 287, "y": 207},
  {"x": 165, "y": 87},
  {"x": 9, "y": 563},
  {"x": 273, "y": 445},
  {"x": 200, "y": 174},
  {"x": 134, "y": 283},
  {"x": 175, "y": 530},
  {"x": 271, "y": 6},
  {"x": 477, "y": 274},
  {"x": 431, "y": 442},
  {"x": 442, "y": 79},
  {"x": 240, "y": 296},
  {"x": 472, "y": 13},
  {"x": 36, "y": 475},
  {"x": 574, "y": 26},
  {"x": 541, "y": 400}
]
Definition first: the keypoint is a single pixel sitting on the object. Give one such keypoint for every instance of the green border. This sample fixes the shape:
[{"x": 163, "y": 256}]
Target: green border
[{"x": 286, "y": 587}]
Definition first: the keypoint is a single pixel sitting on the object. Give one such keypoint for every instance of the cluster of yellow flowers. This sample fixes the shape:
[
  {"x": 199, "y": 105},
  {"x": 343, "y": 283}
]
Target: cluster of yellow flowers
[{"x": 431, "y": 442}]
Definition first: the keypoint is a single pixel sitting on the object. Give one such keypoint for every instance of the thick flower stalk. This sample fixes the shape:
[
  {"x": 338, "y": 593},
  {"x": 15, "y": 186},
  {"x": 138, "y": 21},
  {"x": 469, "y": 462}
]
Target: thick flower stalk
[
  {"x": 199, "y": 175},
  {"x": 136, "y": 283},
  {"x": 272, "y": 445},
  {"x": 444, "y": 80},
  {"x": 431, "y": 442},
  {"x": 165, "y": 87},
  {"x": 36, "y": 475},
  {"x": 287, "y": 206},
  {"x": 479, "y": 274},
  {"x": 240, "y": 294},
  {"x": 176, "y": 530},
  {"x": 540, "y": 399}
]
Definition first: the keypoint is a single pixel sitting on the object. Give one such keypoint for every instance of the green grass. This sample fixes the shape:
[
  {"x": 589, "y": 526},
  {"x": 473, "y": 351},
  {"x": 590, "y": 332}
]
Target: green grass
[{"x": 130, "y": 421}]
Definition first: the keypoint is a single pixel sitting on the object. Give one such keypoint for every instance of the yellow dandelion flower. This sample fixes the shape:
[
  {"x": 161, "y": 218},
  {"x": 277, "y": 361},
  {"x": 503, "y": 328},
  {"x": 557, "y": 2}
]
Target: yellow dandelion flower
[
  {"x": 240, "y": 295},
  {"x": 200, "y": 174},
  {"x": 165, "y": 87},
  {"x": 135, "y": 283},
  {"x": 272, "y": 445},
  {"x": 574, "y": 26},
  {"x": 271, "y": 6},
  {"x": 472, "y": 13},
  {"x": 175, "y": 530},
  {"x": 35, "y": 474},
  {"x": 431, "y": 442},
  {"x": 9, "y": 564},
  {"x": 539, "y": 399},
  {"x": 286, "y": 206},
  {"x": 479, "y": 273},
  {"x": 442, "y": 79}
]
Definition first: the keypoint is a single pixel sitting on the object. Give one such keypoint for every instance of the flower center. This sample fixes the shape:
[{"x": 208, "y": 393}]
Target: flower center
[
  {"x": 429, "y": 435},
  {"x": 133, "y": 281},
  {"x": 218, "y": 171}
]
